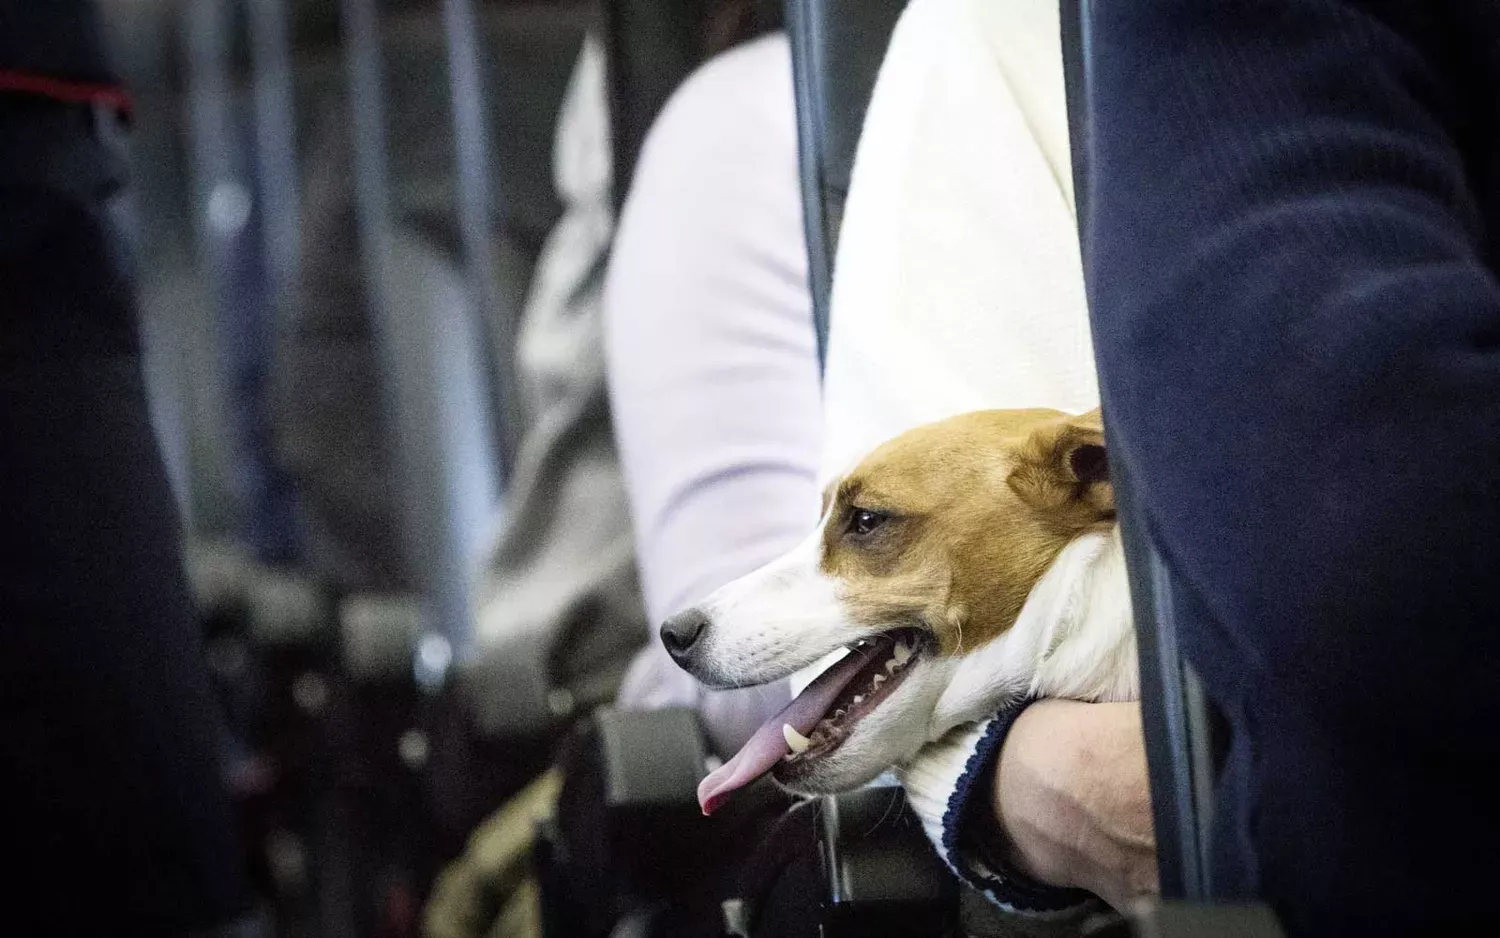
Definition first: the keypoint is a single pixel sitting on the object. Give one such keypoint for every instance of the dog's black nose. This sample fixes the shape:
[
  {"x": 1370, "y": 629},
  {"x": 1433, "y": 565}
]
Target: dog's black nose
[{"x": 681, "y": 631}]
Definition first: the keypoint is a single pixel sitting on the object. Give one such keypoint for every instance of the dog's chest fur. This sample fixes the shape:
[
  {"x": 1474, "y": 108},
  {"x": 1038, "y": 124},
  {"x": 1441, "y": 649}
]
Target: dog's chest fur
[{"x": 1074, "y": 638}]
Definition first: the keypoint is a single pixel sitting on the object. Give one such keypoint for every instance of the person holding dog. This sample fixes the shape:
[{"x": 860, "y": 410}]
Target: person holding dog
[{"x": 1294, "y": 272}]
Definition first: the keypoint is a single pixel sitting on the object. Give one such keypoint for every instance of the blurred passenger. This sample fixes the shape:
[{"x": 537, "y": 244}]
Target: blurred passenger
[
  {"x": 560, "y": 606},
  {"x": 1295, "y": 268},
  {"x": 110, "y": 792},
  {"x": 712, "y": 361},
  {"x": 958, "y": 287},
  {"x": 560, "y": 609}
]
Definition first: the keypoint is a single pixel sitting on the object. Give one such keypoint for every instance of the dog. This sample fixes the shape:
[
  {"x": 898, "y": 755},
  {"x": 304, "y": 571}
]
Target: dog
[{"x": 964, "y": 565}]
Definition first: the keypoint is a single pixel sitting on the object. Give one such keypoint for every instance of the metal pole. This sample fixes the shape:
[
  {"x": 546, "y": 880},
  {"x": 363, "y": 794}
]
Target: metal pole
[
  {"x": 276, "y": 142},
  {"x": 475, "y": 207},
  {"x": 432, "y": 364},
  {"x": 221, "y": 208}
]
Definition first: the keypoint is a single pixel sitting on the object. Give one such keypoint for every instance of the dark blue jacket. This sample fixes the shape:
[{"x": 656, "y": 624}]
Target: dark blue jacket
[{"x": 1292, "y": 265}]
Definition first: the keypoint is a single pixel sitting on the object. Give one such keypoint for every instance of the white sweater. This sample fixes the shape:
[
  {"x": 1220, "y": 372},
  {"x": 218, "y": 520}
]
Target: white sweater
[{"x": 958, "y": 284}]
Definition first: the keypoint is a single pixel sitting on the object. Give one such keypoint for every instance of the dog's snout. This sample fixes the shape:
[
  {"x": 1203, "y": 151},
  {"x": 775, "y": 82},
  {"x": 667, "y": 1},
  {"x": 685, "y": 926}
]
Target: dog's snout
[{"x": 680, "y": 632}]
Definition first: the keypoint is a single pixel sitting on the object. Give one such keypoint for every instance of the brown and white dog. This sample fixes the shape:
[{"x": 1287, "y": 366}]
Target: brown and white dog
[{"x": 963, "y": 564}]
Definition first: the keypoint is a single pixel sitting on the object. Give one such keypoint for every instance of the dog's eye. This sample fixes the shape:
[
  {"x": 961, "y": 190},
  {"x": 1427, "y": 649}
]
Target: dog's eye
[{"x": 863, "y": 521}]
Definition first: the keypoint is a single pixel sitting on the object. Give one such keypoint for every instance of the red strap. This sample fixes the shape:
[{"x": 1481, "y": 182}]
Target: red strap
[{"x": 68, "y": 92}]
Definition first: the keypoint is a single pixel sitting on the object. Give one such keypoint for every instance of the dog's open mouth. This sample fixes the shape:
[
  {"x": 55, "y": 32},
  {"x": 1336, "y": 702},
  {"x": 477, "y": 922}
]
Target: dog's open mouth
[
  {"x": 887, "y": 657},
  {"x": 821, "y": 717}
]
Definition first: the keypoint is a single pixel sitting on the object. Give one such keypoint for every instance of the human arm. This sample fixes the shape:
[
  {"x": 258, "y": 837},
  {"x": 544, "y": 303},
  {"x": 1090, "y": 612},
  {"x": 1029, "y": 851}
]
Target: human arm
[
  {"x": 1070, "y": 799},
  {"x": 1042, "y": 805}
]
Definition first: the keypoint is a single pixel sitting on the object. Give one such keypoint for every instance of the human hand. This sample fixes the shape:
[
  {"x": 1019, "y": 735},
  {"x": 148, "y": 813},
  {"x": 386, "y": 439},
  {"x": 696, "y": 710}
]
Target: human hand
[{"x": 1072, "y": 799}]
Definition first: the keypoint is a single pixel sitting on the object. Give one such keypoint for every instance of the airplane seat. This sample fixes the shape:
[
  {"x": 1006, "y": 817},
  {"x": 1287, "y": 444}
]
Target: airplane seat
[{"x": 837, "y": 48}]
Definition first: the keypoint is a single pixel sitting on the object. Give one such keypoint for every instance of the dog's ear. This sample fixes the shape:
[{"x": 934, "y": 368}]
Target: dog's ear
[{"x": 1063, "y": 468}]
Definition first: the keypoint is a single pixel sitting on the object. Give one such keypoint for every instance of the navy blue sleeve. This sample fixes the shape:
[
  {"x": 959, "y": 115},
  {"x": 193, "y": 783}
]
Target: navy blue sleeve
[
  {"x": 974, "y": 846},
  {"x": 1297, "y": 323}
]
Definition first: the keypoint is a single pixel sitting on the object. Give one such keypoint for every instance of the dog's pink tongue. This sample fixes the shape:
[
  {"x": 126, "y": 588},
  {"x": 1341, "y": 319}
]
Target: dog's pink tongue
[{"x": 759, "y": 755}]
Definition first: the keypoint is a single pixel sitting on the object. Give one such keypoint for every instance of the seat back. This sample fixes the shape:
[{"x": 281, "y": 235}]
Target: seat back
[
  {"x": 651, "y": 46},
  {"x": 837, "y": 48},
  {"x": 1178, "y": 722}
]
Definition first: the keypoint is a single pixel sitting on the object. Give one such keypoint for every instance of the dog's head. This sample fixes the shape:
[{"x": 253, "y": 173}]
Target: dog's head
[{"x": 925, "y": 553}]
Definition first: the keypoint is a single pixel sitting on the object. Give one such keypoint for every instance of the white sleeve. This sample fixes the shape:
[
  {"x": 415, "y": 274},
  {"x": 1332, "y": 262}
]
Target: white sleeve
[{"x": 712, "y": 363}]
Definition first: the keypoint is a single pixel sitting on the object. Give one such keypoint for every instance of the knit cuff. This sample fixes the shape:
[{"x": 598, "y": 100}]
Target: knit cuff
[{"x": 940, "y": 784}]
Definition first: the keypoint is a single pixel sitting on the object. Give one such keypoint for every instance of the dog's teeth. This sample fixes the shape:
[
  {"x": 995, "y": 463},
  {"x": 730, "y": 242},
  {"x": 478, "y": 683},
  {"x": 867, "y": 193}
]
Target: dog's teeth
[
  {"x": 890, "y": 666},
  {"x": 879, "y": 679},
  {"x": 859, "y": 698},
  {"x": 795, "y": 741},
  {"x": 902, "y": 654}
]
